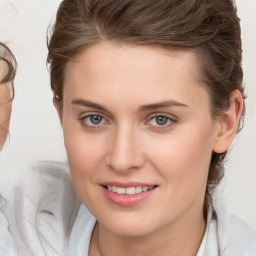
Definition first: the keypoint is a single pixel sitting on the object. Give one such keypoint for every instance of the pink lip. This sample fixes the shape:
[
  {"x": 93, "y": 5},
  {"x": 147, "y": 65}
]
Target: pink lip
[
  {"x": 126, "y": 200},
  {"x": 127, "y": 184}
]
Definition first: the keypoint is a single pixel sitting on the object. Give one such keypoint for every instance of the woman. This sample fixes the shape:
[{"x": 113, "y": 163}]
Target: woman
[
  {"x": 150, "y": 97},
  {"x": 7, "y": 74}
]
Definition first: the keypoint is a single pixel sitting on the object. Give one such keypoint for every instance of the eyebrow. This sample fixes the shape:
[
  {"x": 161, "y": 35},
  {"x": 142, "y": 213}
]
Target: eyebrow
[
  {"x": 87, "y": 103},
  {"x": 143, "y": 108},
  {"x": 163, "y": 104}
]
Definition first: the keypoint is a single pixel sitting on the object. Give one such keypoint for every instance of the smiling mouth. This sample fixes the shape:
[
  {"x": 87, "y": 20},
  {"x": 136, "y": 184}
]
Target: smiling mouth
[{"x": 129, "y": 190}]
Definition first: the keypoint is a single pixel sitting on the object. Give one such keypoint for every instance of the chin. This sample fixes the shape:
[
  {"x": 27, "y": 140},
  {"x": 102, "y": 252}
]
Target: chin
[
  {"x": 131, "y": 225},
  {"x": 131, "y": 229}
]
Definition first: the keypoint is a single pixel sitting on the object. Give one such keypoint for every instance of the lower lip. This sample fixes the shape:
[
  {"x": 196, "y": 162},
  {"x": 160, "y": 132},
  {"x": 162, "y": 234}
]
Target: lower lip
[{"x": 127, "y": 200}]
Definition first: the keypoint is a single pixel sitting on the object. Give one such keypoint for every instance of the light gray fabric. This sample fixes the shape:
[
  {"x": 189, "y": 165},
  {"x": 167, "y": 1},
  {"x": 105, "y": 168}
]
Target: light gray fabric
[
  {"x": 235, "y": 237},
  {"x": 7, "y": 244},
  {"x": 44, "y": 209}
]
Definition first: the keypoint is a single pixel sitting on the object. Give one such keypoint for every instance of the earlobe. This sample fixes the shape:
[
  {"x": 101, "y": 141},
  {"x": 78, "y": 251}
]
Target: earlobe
[
  {"x": 228, "y": 123},
  {"x": 56, "y": 104},
  {"x": 55, "y": 101}
]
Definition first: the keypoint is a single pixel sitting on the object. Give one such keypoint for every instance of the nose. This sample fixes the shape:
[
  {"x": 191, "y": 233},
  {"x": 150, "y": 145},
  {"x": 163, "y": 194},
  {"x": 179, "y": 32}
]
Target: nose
[{"x": 125, "y": 154}]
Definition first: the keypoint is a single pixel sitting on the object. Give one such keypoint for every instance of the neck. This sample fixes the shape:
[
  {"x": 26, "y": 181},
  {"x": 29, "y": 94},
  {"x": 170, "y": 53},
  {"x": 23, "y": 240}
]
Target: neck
[{"x": 181, "y": 238}]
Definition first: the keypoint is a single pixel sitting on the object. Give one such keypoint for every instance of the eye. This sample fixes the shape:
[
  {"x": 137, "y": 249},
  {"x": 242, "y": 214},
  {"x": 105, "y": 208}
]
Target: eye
[
  {"x": 161, "y": 121},
  {"x": 93, "y": 121}
]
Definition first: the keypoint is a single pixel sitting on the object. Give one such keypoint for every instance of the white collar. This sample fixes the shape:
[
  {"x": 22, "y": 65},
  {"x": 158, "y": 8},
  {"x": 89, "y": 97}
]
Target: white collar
[
  {"x": 81, "y": 233},
  {"x": 209, "y": 245}
]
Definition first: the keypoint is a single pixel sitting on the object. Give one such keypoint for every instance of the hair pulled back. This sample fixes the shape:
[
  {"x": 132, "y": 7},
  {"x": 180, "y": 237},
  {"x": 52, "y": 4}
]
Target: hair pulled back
[{"x": 210, "y": 28}]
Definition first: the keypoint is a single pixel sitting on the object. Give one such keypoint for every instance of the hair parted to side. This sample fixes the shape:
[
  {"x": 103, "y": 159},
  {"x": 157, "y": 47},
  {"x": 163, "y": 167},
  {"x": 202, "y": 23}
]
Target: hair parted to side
[
  {"x": 8, "y": 58},
  {"x": 210, "y": 28}
]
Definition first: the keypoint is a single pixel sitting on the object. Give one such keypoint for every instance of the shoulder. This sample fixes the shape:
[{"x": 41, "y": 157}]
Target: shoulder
[
  {"x": 48, "y": 186},
  {"x": 235, "y": 236},
  {"x": 43, "y": 209}
]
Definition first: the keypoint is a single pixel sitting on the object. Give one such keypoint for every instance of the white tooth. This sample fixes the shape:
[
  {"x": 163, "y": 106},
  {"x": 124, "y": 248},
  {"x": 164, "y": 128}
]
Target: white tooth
[
  {"x": 120, "y": 190},
  {"x": 114, "y": 188},
  {"x": 148, "y": 188},
  {"x": 130, "y": 191},
  {"x": 109, "y": 188},
  {"x": 145, "y": 189},
  {"x": 138, "y": 190}
]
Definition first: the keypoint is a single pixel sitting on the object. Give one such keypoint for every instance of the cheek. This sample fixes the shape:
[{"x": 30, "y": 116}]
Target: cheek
[
  {"x": 85, "y": 153},
  {"x": 183, "y": 158}
]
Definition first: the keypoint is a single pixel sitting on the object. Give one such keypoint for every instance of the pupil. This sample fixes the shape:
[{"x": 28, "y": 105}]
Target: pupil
[
  {"x": 161, "y": 120},
  {"x": 95, "y": 119}
]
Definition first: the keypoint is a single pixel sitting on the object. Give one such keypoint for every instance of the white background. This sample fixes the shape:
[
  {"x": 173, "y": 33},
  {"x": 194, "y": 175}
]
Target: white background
[{"x": 35, "y": 132}]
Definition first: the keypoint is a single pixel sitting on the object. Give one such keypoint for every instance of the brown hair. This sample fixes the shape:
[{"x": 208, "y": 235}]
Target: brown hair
[
  {"x": 7, "y": 56},
  {"x": 210, "y": 28}
]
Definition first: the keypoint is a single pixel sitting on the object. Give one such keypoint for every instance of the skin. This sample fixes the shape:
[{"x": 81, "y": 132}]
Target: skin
[
  {"x": 5, "y": 106},
  {"x": 129, "y": 145}
]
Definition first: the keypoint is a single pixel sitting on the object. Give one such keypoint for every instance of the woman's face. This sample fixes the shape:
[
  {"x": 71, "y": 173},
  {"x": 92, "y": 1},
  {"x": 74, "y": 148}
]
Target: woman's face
[
  {"x": 136, "y": 118},
  {"x": 5, "y": 105}
]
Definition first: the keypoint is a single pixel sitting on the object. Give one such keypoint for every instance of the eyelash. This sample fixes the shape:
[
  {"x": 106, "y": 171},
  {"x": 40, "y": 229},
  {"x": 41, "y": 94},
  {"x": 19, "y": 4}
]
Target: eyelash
[
  {"x": 84, "y": 123},
  {"x": 170, "y": 122}
]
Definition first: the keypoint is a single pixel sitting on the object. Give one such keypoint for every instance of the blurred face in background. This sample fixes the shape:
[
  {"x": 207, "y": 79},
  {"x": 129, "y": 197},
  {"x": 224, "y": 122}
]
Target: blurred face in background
[{"x": 5, "y": 104}]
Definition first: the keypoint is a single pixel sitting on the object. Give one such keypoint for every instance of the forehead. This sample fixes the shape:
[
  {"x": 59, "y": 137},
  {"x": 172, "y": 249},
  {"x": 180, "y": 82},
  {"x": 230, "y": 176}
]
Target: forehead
[
  {"x": 108, "y": 56},
  {"x": 123, "y": 71}
]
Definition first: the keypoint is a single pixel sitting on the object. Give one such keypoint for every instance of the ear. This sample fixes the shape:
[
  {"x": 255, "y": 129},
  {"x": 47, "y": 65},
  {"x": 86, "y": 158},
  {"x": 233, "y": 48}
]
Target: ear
[
  {"x": 228, "y": 123},
  {"x": 56, "y": 103}
]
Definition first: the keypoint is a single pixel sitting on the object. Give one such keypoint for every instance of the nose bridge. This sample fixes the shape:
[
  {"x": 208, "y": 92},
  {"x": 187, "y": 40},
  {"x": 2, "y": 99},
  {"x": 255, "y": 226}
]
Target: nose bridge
[{"x": 125, "y": 153}]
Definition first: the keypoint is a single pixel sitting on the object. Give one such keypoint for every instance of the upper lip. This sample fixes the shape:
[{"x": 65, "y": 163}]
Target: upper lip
[{"x": 127, "y": 184}]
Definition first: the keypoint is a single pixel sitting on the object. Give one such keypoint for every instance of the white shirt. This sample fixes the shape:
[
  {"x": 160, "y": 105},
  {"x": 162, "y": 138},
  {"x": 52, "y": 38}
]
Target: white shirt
[{"x": 81, "y": 233}]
